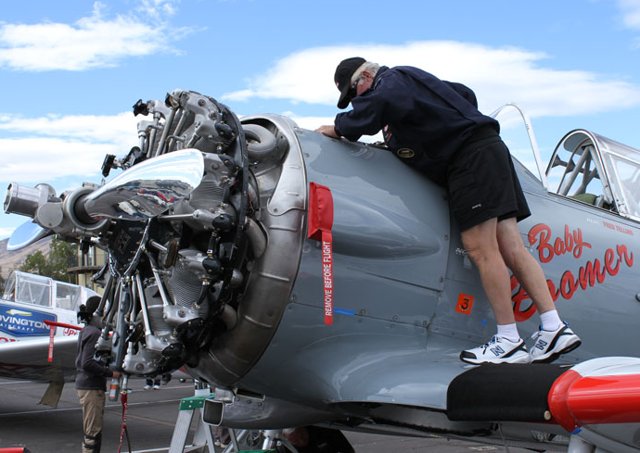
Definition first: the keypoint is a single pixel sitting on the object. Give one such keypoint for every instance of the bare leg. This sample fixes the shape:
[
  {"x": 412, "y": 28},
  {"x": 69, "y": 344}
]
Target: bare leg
[
  {"x": 550, "y": 343},
  {"x": 493, "y": 246},
  {"x": 524, "y": 266},
  {"x": 481, "y": 242}
]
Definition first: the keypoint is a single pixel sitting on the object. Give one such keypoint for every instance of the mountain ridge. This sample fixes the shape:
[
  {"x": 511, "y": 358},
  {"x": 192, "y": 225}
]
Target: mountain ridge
[{"x": 10, "y": 260}]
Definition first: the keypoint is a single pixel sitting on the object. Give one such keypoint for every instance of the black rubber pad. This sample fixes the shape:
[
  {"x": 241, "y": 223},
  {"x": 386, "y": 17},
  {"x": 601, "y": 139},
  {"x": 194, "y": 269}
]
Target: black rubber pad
[{"x": 505, "y": 392}]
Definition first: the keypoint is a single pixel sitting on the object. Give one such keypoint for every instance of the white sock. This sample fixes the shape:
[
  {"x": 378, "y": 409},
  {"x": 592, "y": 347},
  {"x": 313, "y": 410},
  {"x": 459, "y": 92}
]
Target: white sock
[
  {"x": 550, "y": 320},
  {"x": 509, "y": 331}
]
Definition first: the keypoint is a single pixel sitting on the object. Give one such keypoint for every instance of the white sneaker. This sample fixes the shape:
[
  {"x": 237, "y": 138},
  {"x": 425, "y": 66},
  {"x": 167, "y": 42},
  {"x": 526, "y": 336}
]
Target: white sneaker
[
  {"x": 156, "y": 387},
  {"x": 147, "y": 387},
  {"x": 497, "y": 350},
  {"x": 548, "y": 345}
]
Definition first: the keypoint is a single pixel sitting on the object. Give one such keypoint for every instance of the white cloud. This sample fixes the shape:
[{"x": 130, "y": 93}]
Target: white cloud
[
  {"x": 41, "y": 149},
  {"x": 630, "y": 13},
  {"x": 631, "y": 16},
  {"x": 497, "y": 75},
  {"x": 5, "y": 232},
  {"x": 90, "y": 42},
  {"x": 157, "y": 9}
]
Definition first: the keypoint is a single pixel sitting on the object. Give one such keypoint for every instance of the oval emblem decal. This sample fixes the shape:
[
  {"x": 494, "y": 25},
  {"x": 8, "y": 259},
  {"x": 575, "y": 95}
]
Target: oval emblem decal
[{"x": 405, "y": 153}]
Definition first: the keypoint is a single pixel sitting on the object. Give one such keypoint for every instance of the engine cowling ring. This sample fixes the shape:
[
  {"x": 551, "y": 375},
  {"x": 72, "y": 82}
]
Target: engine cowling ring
[{"x": 232, "y": 354}]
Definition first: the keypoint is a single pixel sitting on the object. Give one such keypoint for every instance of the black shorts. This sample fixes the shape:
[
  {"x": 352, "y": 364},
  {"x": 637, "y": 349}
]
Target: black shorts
[{"x": 482, "y": 184}]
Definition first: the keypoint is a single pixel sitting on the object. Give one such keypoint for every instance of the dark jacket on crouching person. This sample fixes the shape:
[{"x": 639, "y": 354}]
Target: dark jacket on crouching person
[{"x": 91, "y": 377}]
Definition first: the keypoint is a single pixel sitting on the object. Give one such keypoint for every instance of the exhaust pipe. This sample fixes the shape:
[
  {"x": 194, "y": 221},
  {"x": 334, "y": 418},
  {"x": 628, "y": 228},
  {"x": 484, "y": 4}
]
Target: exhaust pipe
[{"x": 260, "y": 412}]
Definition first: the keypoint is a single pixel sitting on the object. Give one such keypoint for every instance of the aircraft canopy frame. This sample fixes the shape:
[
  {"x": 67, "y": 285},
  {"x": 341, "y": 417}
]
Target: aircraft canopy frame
[
  {"x": 593, "y": 169},
  {"x": 40, "y": 291}
]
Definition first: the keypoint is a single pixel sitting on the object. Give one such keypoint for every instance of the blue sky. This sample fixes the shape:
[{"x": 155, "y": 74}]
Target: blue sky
[{"x": 70, "y": 71}]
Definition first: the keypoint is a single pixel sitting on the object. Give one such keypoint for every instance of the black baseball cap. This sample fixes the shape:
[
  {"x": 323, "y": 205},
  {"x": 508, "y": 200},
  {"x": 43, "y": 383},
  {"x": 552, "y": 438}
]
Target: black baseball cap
[
  {"x": 342, "y": 77},
  {"x": 92, "y": 304},
  {"x": 86, "y": 310}
]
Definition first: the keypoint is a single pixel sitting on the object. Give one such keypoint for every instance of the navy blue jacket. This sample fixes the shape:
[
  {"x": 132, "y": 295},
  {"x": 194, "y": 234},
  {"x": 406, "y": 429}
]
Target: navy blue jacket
[{"x": 424, "y": 120}]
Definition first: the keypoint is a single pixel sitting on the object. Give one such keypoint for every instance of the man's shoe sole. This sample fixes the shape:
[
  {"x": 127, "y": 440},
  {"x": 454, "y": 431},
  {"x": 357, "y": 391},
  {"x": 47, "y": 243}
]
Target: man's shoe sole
[
  {"x": 554, "y": 355},
  {"x": 523, "y": 360}
]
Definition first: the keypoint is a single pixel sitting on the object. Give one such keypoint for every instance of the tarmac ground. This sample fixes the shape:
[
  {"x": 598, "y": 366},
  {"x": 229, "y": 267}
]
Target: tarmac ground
[{"x": 150, "y": 420}]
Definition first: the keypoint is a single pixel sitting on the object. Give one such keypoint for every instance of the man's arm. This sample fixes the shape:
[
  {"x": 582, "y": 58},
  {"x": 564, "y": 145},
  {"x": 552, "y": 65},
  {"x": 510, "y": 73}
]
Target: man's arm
[
  {"x": 87, "y": 361},
  {"x": 366, "y": 117}
]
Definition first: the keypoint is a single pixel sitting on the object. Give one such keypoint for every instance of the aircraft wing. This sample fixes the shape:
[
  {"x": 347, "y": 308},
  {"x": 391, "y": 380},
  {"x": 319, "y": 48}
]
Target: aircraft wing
[{"x": 28, "y": 359}]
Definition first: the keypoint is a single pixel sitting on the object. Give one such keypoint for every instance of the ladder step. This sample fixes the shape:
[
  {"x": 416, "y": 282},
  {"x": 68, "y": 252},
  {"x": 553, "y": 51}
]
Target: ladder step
[{"x": 189, "y": 407}]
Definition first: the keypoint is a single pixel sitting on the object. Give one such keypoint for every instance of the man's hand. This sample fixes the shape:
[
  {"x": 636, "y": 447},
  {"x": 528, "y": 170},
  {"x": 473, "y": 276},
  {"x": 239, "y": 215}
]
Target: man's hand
[{"x": 328, "y": 130}]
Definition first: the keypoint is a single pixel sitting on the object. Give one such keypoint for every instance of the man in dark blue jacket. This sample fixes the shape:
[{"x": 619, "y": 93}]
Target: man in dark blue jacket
[
  {"x": 435, "y": 127},
  {"x": 91, "y": 377}
]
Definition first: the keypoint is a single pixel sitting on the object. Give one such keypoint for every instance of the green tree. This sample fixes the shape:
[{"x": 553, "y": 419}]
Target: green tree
[
  {"x": 35, "y": 263},
  {"x": 61, "y": 256}
]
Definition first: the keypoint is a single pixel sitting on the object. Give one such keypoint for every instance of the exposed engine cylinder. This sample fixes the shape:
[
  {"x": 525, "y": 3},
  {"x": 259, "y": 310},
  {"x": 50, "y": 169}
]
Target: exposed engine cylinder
[
  {"x": 158, "y": 325},
  {"x": 194, "y": 228}
]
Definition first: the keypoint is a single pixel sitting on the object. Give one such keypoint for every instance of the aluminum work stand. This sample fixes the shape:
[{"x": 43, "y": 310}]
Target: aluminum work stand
[{"x": 203, "y": 437}]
